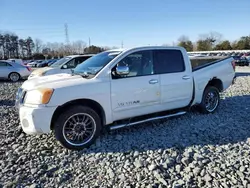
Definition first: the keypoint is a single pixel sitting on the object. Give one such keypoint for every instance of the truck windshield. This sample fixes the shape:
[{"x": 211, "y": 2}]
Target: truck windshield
[
  {"x": 94, "y": 64},
  {"x": 61, "y": 61}
]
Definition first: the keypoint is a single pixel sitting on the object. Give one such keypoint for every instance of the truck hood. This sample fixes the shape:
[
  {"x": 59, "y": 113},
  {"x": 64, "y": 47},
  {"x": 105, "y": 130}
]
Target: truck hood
[
  {"x": 41, "y": 70},
  {"x": 53, "y": 81}
]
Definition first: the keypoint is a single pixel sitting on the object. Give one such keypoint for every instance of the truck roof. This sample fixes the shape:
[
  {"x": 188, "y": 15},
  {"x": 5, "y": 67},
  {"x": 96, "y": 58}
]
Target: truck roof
[
  {"x": 146, "y": 47},
  {"x": 72, "y": 56}
]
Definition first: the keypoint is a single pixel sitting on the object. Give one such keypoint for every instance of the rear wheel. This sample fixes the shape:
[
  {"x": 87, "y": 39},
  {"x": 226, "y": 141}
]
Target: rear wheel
[
  {"x": 78, "y": 127},
  {"x": 210, "y": 100},
  {"x": 14, "y": 76}
]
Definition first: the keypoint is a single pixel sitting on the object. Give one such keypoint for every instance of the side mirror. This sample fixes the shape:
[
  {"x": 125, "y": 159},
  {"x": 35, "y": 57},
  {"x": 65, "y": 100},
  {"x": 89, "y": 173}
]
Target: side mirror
[
  {"x": 122, "y": 70},
  {"x": 64, "y": 66}
]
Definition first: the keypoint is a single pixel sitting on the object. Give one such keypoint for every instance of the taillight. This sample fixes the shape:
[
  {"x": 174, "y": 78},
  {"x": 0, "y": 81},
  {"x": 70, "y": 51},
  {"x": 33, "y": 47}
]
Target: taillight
[
  {"x": 29, "y": 69},
  {"x": 233, "y": 64}
]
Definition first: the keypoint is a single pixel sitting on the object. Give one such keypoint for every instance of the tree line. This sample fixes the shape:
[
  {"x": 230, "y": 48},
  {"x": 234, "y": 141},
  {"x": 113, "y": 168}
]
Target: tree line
[
  {"x": 13, "y": 46},
  {"x": 213, "y": 41}
]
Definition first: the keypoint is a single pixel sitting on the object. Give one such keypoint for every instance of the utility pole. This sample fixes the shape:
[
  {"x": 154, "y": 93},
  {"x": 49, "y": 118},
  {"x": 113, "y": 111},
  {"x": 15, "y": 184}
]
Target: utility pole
[
  {"x": 66, "y": 39},
  {"x": 66, "y": 33},
  {"x": 89, "y": 42},
  {"x": 122, "y": 44}
]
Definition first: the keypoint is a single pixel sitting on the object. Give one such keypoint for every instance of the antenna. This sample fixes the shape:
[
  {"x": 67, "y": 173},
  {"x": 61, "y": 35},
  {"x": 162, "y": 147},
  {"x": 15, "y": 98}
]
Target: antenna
[{"x": 66, "y": 33}]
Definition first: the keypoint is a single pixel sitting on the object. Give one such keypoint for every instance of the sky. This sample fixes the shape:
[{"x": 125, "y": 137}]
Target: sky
[{"x": 135, "y": 22}]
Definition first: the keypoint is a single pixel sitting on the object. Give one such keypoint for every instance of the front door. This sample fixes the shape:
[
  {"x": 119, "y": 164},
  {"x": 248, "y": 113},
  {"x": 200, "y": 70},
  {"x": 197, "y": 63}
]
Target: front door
[{"x": 138, "y": 92}]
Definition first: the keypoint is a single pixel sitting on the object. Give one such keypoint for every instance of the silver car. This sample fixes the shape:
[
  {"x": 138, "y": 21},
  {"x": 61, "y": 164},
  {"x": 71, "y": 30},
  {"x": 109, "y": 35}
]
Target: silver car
[{"x": 13, "y": 71}]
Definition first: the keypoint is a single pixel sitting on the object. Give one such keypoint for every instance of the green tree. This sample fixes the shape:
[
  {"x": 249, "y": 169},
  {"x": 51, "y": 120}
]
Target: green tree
[
  {"x": 184, "y": 42},
  {"x": 30, "y": 46},
  {"x": 224, "y": 45},
  {"x": 204, "y": 45},
  {"x": 188, "y": 45},
  {"x": 93, "y": 49},
  {"x": 243, "y": 43},
  {"x": 208, "y": 41}
]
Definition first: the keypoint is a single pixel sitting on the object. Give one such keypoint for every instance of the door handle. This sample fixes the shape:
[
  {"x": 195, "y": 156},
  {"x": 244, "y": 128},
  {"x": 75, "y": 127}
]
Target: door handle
[
  {"x": 185, "y": 77},
  {"x": 153, "y": 81}
]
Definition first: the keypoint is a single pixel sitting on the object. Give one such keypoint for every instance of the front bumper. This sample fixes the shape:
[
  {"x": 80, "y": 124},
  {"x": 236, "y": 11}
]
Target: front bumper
[{"x": 36, "y": 120}]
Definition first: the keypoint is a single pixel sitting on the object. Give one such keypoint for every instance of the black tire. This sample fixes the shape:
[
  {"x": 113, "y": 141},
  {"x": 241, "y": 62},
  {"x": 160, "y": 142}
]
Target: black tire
[
  {"x": 62, "y": 123},
  {"x": 215, "y": 102},
  {"x": 14, "y": 76}
]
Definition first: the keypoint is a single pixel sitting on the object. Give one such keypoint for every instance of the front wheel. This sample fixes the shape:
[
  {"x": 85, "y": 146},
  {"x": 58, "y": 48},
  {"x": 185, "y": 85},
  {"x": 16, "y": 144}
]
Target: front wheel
[
  {"x": 210, "y": 100},
  {"x": 78, "y": 127}
]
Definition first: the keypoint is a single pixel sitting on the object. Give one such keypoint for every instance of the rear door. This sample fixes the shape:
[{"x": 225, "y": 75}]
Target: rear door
[
  {"x": 175, "y": 78},
  {"x": 5, "y": 69}
]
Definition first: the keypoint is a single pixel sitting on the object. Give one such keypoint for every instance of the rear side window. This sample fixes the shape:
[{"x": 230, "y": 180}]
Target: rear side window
[
  {"x": 168, "y": 61},
  {"x": 4, "y": 64},
  {"x": 79, "y": 60}
]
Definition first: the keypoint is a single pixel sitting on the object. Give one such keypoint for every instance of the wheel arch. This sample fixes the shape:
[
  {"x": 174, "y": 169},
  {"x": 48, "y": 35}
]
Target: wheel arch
[
  {"x": 86, "y": 102},
  {"x": 215, "y": 82}
]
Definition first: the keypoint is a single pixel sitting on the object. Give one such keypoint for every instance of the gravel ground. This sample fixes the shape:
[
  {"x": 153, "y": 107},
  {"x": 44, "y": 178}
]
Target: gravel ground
[{"x": 193, "y": 150}]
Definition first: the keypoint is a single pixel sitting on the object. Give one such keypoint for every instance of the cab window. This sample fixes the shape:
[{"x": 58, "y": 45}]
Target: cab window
[
  {"x": 168, "y": 61},
  {"x": 139, "y": 63}
]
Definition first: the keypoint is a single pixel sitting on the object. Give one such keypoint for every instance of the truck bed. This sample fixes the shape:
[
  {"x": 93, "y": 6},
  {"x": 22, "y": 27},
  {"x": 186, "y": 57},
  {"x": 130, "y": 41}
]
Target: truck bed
[
  {"x": 220, "y": 69},
  {"x": 203, "y": 65}
]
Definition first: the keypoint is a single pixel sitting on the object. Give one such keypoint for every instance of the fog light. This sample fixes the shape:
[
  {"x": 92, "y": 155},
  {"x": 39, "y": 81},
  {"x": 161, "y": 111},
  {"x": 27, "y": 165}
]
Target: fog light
[{"x": 25, "y": 123}]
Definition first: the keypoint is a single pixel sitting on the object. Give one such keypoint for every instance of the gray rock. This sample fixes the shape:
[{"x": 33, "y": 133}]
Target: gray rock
[
  {"x": 33, "y": 186},
  {"x": 138, "y": 163},
  {"x": 242, "y": 169},
  {"x": 159, "y": 178},
  {"x": 33, "y": 170},
  {"x": 152, "y": 167},
  {"x": 111, "y": 173},
  {"x": 185, "y": 161},
  {"x": 122, "y": 177},
  {"x": 178, "y": 168},
  {"x": 207, "y": 178},
  {"x": 136, "y": 153}
]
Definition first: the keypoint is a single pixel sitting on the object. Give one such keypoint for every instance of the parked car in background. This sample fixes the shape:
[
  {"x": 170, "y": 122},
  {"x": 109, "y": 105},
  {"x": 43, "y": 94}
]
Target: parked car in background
[
  {"x": 242, "y": 61},
  {"x": 52, "y": 62},
  {"x": 13, "y": 71},
  {"x": 120, "y": 88},
  {"x": 45, "y": 63},
  {"x": 32, "y": 63},
  {"x": 25, "y": 62},
  {"x": 64, "y": 65},
  {"x": 37, "y": 62}
]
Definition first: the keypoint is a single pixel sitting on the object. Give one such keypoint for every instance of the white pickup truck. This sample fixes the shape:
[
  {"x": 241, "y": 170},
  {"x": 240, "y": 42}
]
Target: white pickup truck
[{"x": 119, "y": 88}]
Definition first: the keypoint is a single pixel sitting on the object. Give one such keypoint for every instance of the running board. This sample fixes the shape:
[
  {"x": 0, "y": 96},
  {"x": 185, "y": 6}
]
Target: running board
[{"x": 146, "y": 120}]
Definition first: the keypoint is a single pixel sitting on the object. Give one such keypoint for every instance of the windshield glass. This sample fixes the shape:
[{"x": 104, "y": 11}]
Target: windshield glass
[
  {"x": 94, "y": 64},
  {"x": 60, "y": 62}
]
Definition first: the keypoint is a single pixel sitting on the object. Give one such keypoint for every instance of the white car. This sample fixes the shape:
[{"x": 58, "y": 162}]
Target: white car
[
  {"x": 64, "y": 65},
  {"x": 119, "y": 88}
]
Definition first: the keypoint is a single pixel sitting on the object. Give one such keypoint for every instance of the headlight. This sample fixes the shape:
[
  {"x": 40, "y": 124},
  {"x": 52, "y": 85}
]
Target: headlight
[{"x": 38, "y": 96}]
